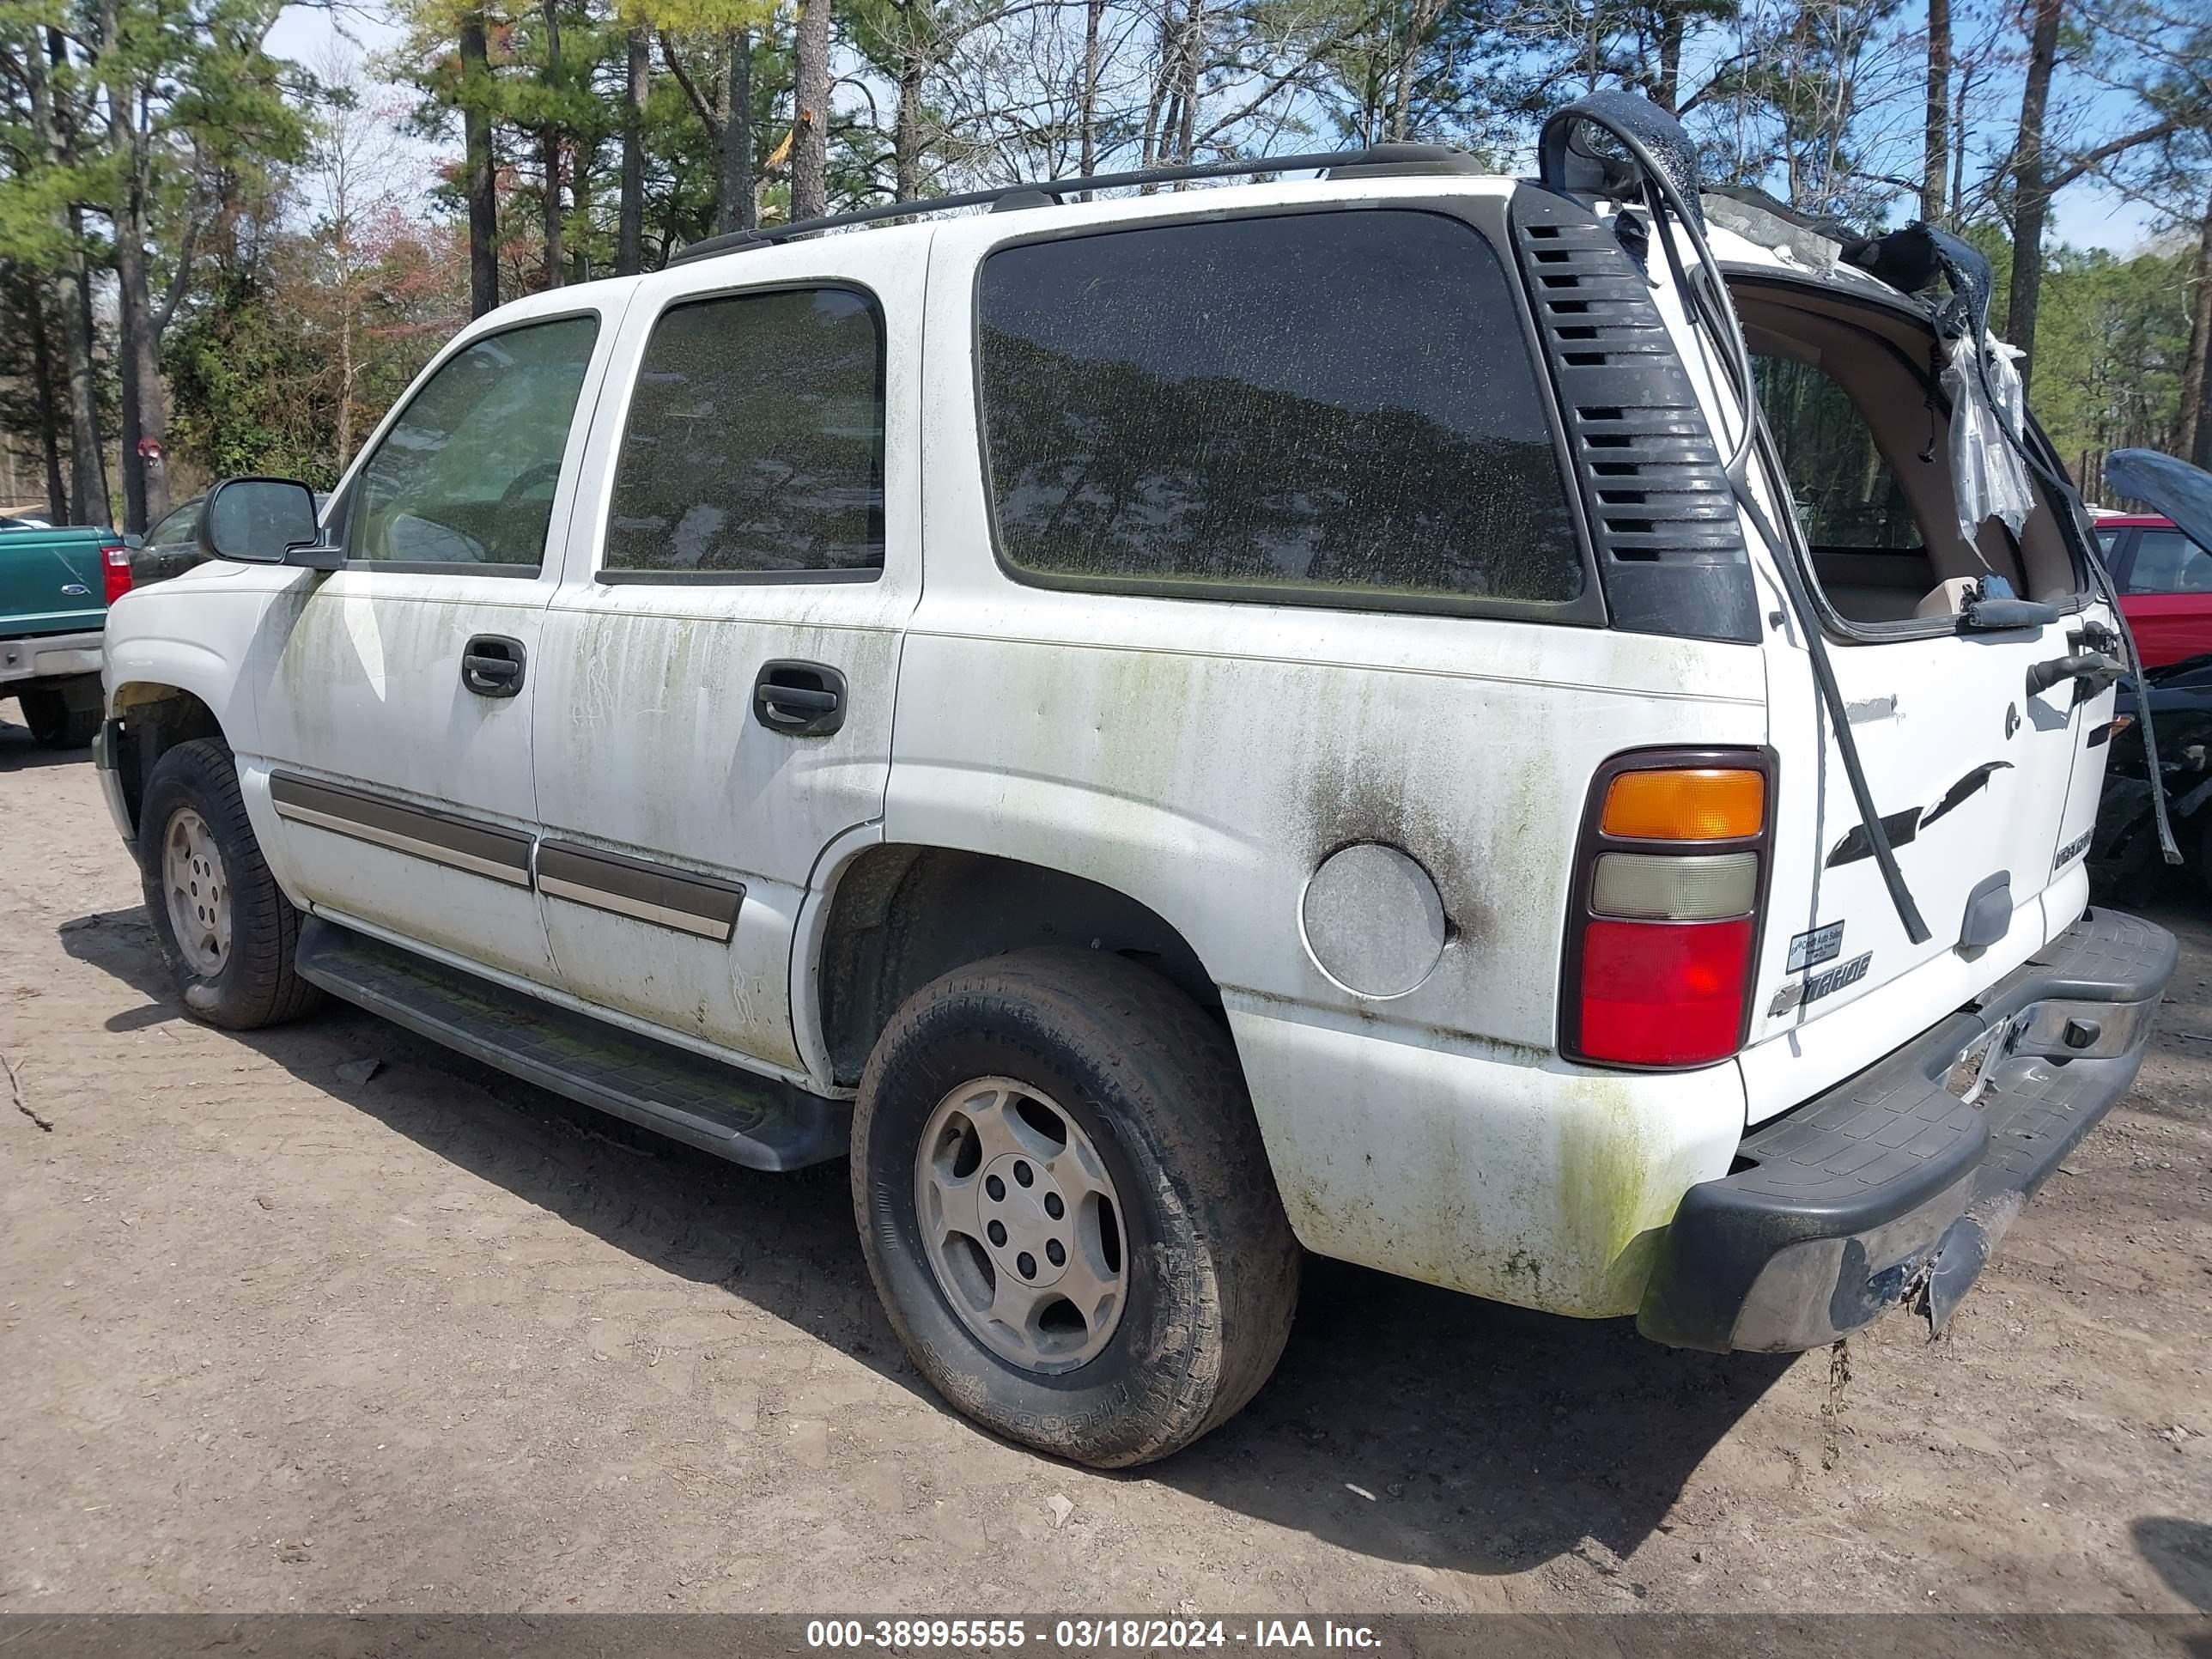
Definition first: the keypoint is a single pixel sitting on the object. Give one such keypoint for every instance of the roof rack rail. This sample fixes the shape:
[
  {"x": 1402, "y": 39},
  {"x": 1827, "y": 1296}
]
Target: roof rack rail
[{"x": 1381, "y": 158}]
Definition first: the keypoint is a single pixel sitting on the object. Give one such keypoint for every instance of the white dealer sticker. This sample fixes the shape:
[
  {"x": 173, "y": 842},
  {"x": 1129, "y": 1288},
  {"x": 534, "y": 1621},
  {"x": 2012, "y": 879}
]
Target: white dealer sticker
[{"x": 1810, "y": 950}]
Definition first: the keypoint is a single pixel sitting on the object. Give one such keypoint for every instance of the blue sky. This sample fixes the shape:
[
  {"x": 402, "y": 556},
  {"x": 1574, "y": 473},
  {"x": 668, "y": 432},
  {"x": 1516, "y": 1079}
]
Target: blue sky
[{"x": 2090, "y": 215}]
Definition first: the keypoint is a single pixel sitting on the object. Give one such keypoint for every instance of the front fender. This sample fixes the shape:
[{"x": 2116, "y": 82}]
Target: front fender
[{"x": 195, "y": 635}]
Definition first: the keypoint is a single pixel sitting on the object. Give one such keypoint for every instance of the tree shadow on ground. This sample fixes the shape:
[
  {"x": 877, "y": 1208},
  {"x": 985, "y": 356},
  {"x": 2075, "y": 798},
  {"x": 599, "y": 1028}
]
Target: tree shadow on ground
[{"x": 1479, "y": 1438}]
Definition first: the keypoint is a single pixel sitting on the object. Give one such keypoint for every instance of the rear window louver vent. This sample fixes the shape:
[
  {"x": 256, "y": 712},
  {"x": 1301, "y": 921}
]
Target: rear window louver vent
[{"x": 1662, "y": 520}]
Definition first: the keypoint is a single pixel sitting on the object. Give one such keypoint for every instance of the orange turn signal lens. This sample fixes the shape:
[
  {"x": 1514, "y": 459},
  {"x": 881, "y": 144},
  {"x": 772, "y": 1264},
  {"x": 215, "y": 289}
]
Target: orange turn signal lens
[{"x": 1703, "y": 803}]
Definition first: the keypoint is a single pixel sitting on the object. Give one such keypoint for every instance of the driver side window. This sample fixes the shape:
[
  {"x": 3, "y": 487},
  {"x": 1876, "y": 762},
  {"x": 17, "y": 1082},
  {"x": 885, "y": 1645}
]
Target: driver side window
[{"x": 466, "y": 474}]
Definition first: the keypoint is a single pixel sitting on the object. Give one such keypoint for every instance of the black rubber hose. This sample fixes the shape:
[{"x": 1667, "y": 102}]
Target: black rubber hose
[
  {"x": 1724, "y": 329},
  {"x": 1831, "y": 696}
]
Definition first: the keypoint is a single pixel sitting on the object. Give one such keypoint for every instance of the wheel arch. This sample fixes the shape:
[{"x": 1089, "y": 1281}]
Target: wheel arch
[
  {"x": 156, "y": 716},
  {"x": 899, "y": 914}
]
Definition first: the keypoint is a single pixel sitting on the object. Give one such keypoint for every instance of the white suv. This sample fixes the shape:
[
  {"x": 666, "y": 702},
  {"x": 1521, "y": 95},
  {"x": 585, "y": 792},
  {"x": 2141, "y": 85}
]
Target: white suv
[{"x": 1180, "y": 728}]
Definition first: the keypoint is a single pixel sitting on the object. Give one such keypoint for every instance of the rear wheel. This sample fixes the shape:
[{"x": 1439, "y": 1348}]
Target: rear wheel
[
  {"x": 225, "y": 929},
  {"x": 1067, "y": 1209},
  {"x": 56, "y": 724}
]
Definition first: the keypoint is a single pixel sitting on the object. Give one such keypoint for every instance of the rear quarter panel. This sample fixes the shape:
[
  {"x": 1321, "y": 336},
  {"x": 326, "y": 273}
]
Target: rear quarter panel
[{"x": 1205, "y": 757}]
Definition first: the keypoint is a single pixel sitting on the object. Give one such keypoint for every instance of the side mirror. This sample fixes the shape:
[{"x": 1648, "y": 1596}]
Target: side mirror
[
  {"x": 263, "y": 521},
  {"x": 134, "y": 541}
]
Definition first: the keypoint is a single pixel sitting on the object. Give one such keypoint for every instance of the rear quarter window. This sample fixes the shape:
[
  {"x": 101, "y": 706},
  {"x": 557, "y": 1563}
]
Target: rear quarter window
[{"x": 1334, "y": 408}]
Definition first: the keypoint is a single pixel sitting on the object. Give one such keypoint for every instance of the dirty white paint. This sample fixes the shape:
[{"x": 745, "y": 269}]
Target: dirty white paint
[
  {"x": 1373, "y": 920},
  {"x": 1204, "y": 758},
  {"x": 646, "y": 738},
  {"x": 331, "y": 709},
  {"x": 1208, "y": 757},
  {"x": 1509, "y": 1175}
]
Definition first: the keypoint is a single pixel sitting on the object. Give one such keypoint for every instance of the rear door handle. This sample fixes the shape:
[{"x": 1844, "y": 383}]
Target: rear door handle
[
  {"x": 492, "y": 665},
  {"x": 2095, "y": 667},
  {"x": 799, "y": 699}
]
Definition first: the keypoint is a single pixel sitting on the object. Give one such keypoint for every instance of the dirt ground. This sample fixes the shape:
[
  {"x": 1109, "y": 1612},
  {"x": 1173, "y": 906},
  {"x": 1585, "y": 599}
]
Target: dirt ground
[{"x": 437, "y": 1341}]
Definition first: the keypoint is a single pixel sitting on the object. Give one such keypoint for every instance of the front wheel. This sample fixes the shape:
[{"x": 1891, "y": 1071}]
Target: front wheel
[
  {"x": 225, "y": 929},
  {"x": 1067, "y": 1209}
]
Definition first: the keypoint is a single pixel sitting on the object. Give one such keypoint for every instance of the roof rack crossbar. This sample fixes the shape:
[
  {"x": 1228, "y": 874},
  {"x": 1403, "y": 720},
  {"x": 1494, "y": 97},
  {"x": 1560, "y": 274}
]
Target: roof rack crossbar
[{"x": 768, "y": 236}]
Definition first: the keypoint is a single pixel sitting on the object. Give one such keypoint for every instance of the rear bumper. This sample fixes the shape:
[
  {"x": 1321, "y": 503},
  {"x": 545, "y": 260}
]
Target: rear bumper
[
  {"x": 49, "y": 657},
  {"x": 1891, "y": 1187}
]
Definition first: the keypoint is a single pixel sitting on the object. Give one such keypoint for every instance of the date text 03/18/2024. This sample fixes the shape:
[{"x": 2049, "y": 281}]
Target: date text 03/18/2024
[{"x": 1085, "y": 1635}]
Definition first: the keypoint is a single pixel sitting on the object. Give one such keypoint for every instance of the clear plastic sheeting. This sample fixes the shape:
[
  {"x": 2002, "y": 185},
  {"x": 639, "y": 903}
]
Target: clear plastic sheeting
[{"x": 1988, "y": 480}]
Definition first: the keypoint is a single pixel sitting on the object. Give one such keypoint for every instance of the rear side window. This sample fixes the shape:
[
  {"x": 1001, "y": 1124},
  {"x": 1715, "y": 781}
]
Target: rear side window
[
  {"x": 1328, "y": 407},
  {"x": 1848, "y": 499},
  {"x": 755, "y": 445}
]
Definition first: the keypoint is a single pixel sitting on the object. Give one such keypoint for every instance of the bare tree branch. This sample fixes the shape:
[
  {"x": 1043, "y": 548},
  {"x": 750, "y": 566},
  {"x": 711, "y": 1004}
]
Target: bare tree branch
[{"x": 2089, "y": 159}]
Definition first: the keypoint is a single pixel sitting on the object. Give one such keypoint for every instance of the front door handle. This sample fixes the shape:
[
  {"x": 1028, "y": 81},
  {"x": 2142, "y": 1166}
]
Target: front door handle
[
  {"x": 799, "y": 699},
  {"x": 492, "y": 665}
]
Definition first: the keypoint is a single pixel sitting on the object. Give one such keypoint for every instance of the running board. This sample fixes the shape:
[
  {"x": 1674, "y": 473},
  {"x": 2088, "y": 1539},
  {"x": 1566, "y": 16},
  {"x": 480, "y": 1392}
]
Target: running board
[{"x": 754, "y": 1121}]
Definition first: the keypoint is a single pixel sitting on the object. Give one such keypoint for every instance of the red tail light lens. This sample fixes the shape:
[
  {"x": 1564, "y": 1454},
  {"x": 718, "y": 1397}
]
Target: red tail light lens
[
  {"x": 115, "y": 572},
  {"x": 1664, "y": 994},
  {"x": 1664, "y": 921}
]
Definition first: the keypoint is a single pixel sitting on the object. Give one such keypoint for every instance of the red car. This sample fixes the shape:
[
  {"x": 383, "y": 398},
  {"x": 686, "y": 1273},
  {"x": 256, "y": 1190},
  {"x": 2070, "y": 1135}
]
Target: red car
[{"x": 2165, "y": 580}]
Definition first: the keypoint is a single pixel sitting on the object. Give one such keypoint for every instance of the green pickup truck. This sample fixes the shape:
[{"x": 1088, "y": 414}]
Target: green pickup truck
[{"x": 56, "y": 584}]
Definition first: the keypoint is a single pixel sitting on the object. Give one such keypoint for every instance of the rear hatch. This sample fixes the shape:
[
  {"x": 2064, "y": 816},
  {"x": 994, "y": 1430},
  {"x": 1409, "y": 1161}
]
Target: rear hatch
[
  {"x": 50, "y": 581},
  {"x": 1985, "y": 781}
]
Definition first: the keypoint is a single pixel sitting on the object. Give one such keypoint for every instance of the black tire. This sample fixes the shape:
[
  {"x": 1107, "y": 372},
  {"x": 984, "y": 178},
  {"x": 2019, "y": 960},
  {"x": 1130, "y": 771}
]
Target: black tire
[
  {"x": 256, "y": 985},
  {"x": 54, "y": 724},
  {"x": 1212, "y": 1266}
]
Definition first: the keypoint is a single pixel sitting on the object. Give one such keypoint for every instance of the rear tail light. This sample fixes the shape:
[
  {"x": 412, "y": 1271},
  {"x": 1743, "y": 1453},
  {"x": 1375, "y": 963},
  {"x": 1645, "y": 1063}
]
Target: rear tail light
[
  {"x": 115, "y": 572},
  {"x": 1664, "y": 920},
  {"x": 1684, "y": 803},
  {"x": 1642, "y": 888}
]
